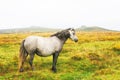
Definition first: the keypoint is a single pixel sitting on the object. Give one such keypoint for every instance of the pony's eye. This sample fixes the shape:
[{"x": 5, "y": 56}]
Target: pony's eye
[{"x": 73, "y": 33}]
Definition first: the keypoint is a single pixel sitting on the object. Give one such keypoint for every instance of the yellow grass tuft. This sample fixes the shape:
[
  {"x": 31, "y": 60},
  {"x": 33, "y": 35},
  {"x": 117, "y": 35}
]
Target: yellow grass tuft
[{"x": 117, "y": 46}]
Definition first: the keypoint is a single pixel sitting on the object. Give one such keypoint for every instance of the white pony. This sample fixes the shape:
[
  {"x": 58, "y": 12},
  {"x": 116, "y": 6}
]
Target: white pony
[{"x": 44, "y": 46}]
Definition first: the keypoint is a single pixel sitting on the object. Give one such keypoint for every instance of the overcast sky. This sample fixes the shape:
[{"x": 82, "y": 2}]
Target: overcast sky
[{"x": 60, "y": 13}]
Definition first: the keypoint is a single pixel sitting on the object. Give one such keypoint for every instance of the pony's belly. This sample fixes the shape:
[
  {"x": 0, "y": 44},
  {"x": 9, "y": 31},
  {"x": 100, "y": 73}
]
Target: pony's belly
[
  {"x": 47, "y": 53},
  {"x": 44, "y": 52},
  {"x": 43, "y": 55}
]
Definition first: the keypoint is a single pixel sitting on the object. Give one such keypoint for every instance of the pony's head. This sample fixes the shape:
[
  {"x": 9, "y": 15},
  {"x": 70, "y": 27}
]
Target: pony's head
[
  {"x": 72, "y": 35},
  {"x": 67, "y": 33}
]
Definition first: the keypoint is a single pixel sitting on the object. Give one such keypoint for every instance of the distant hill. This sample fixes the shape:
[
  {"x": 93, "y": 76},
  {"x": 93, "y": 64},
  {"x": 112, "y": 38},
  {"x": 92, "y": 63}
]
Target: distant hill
[
  {"x": 42, "y": 29},
  {"x": 93, "y": 28},
  {"x": 28, "y": 29}
]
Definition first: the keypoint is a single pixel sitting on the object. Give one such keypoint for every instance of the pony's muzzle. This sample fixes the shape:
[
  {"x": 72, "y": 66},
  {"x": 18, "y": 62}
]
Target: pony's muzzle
[{"x": 76, "y": 40}]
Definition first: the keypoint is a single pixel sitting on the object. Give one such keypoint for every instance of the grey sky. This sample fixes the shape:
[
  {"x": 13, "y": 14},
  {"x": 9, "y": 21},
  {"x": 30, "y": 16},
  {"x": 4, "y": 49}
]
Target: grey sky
[{"x": 60, "y": 13}]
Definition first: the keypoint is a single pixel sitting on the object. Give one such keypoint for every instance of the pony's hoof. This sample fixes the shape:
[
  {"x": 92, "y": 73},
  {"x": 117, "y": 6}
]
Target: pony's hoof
[
  {"x": 33, "y": 69},
  {"x": 54, "y": 70},
  {"x": 21, "y": 70}
]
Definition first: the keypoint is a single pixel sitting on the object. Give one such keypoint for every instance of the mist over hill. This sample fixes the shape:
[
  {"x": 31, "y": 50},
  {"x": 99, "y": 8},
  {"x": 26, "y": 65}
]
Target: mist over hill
[
  {"x": 43, "y": 29},
  {"x": 92, "y": 29},
  {"x": 28, "y": 29}
]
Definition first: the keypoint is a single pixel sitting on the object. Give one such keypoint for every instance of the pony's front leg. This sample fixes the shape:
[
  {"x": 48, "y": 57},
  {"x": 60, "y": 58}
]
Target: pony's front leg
[{"x": 55, "y": 57}]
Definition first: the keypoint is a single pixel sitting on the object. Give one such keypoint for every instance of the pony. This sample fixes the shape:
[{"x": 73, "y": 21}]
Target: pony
[{"x": 44, "y": 46}]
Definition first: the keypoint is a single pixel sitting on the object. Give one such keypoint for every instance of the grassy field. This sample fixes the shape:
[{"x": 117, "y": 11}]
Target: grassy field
[{"x": 95, "y": 57}]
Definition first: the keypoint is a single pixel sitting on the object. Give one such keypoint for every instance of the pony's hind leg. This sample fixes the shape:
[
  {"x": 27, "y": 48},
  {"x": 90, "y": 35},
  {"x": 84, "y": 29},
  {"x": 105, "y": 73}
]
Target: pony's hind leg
[
  {"x": 21, "y": 62},
  {"x": 31, "y": 60}
]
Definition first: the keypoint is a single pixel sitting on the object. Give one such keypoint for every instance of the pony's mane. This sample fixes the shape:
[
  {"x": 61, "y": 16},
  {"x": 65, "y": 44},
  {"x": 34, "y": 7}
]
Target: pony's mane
[{"x": 62, "y": 34}]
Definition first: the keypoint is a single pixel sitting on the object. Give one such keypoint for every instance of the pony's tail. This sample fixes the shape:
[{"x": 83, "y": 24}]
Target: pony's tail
[{"x": 22, "y": 56}]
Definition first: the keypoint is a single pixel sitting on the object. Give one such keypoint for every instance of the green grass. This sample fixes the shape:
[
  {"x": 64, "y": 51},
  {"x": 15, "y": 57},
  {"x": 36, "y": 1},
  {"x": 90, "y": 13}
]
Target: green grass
[{"x": 93, "y": 60}]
